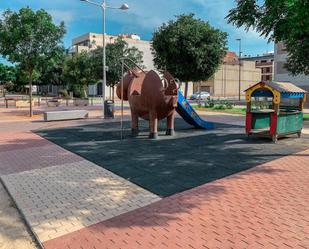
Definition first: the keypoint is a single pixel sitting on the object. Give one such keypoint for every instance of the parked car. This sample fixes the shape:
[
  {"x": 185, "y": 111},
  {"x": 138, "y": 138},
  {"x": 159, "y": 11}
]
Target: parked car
[{"x": 200, "y": 95}]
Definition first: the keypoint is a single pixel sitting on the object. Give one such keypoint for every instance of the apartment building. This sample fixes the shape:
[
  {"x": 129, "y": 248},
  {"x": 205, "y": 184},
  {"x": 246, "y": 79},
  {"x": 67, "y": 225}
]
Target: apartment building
[
  {"x": 281, "y": 74},
  {"x": 91, "y": 41},
  {"x": 225, "y": 82},
  {"x": 266, "y": 63}
]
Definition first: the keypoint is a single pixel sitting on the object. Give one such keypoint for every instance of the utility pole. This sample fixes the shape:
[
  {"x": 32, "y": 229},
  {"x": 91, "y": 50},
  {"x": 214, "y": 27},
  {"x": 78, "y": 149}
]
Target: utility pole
[
  {"x": 239, "y": 68},
  {"x": 104, "y": 6}
]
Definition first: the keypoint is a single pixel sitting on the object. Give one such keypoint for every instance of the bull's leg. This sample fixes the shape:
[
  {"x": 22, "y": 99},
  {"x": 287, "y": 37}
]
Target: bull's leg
[
  {"x": 153, "y": 120},
  {"x": 170, "y": 125},
  {"x": 134, "y": 124}
]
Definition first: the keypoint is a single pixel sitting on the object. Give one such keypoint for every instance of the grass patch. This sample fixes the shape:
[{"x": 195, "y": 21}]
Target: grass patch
[
  {"x": 232, "y": 111},
  {"x": 306, "y": 116}
]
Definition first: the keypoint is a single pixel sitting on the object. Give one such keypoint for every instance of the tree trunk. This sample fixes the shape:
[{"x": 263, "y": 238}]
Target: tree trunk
[
  {"x": 199, "y": 98},
  {"x": 30, "y": 91},
  {"x": 85, "y": 89},
  {"x": 186, "y": 89}
]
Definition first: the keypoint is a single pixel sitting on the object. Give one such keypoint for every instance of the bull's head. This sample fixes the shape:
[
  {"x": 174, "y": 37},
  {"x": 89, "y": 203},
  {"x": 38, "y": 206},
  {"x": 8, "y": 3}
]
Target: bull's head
[{"x": 171, "y": 84}]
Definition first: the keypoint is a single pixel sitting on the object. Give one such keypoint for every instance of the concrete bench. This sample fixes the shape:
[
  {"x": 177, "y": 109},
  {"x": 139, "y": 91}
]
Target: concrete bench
[
  {"x": 53, "y": 103},
  {"x": 65, "y": 115}
]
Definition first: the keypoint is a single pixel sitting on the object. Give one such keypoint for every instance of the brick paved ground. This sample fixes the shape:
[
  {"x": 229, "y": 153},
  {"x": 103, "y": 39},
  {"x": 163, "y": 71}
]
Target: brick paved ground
[
  {"x": 174, "y": 220},
  {"x": 13, "y": 231},
  {"x": 264, "y": 207},
  {"x": 60, "y": 192},
  {"x": 64, "y": 198},
  {"x": 15, "y": 139},
  {"x": 33, "y": 158}
]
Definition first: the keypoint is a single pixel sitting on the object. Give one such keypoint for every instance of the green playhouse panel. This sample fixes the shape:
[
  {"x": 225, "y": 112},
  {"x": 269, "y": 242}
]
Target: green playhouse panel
[
  {"x": 289, "y": 122},
  {"x": 260, "y": 120}
]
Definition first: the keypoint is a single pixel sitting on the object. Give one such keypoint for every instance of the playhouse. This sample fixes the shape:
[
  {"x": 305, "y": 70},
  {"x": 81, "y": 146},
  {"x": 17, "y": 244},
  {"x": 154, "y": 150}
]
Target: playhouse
[{"x": 281, "y": 115}]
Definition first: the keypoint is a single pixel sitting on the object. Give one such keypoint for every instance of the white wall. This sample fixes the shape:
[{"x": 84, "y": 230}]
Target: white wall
[{"x": 281, "y": 74}]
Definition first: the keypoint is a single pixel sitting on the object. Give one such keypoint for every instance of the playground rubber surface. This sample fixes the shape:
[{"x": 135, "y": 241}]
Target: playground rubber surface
[{"x": 171, "y": 164}]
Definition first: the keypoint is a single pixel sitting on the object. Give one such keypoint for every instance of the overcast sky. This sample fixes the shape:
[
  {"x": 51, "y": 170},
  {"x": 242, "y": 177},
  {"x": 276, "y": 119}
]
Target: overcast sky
[{"x": 143, "y": 17}]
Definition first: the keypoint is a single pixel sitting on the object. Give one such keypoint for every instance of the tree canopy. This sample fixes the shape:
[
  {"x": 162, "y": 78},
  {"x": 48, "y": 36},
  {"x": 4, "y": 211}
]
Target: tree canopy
[
  {"x": 189, "y": 48},
  {"x": 7, "y": 77},
  {"x": 29, "y": 38},
  {"x": 284, "y": 21},
  {"x": 22, "y": 78},
  {"x": 114, "y": 52},
  {"x": 7, "y": 74},
  {"x": 51, "y": 71},
  {"x": 79, "y": 72}
]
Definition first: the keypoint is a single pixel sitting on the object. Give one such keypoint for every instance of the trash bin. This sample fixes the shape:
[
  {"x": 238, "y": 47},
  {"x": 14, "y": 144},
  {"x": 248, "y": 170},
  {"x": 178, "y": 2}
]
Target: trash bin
[{"x": 109, "y": 107}]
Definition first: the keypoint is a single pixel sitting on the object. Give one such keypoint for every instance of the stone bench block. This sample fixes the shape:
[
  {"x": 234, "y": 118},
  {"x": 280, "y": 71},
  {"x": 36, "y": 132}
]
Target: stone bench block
[{"x": 65, "y": 115}]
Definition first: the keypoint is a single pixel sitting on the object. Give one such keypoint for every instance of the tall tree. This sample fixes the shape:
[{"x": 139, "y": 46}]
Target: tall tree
[
  {"x": 284, "y": 21},
  {"x": 114, "y": 52},
  {"x": 29, "y": 38},
  {"x": 189, "y": 48},
  {"x": 79, "y": 72}
]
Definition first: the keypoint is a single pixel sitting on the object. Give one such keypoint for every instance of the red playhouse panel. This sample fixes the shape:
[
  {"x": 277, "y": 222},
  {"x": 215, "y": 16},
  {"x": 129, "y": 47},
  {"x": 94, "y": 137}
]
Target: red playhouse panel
[
  {"x": 248, "y": 122},
  {"x": 273, "y": 124}
]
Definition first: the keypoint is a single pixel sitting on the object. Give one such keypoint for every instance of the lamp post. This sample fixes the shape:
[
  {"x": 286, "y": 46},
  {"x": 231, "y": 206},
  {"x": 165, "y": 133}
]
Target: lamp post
[
  {"x": 239, "y": 68},
  {"x": 104, "y": 6}
]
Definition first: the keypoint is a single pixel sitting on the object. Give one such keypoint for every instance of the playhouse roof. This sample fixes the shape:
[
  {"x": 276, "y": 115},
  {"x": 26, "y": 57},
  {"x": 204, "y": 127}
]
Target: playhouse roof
[
  {"x": 282, "y": 87},
  {"x": 286, "y": 87}
]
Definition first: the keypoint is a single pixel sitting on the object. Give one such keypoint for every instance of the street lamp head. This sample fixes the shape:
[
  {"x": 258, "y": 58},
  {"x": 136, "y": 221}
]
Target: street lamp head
[
  {"x": 238, "y": 39},
  {"x": 123, "y": 6}
]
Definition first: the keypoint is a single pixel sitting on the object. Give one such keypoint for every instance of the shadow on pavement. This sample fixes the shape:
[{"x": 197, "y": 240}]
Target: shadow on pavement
[{"x": 171, "y": 164}]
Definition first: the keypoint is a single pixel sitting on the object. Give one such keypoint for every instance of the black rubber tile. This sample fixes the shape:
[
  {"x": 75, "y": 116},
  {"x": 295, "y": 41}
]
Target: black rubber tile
[{"x": 171, "y": 164}]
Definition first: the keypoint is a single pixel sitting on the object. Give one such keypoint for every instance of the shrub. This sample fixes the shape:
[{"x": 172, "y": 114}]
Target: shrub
[
  {"x": 228, "y": 104},
  {"x": 63, "y": 93},
  {"x": 209, "y": 103},
  {"x": 219, "y": 107}
]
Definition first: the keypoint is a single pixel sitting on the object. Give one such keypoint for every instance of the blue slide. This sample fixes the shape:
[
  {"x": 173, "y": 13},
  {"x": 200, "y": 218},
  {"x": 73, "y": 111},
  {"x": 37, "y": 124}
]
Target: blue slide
[{"x": 186, "y": 111}]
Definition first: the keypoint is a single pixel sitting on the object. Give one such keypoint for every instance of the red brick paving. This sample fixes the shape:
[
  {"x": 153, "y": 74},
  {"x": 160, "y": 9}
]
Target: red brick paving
[
  {"x": 24, "y": 151},
  {"x": 264, "y": 207},
  {"x": 20, "y": 140}
]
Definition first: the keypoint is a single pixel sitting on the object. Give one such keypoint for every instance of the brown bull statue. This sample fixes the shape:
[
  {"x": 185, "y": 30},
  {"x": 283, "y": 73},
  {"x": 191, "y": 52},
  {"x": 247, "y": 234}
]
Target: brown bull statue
[{"x": 150, "y": 98}]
